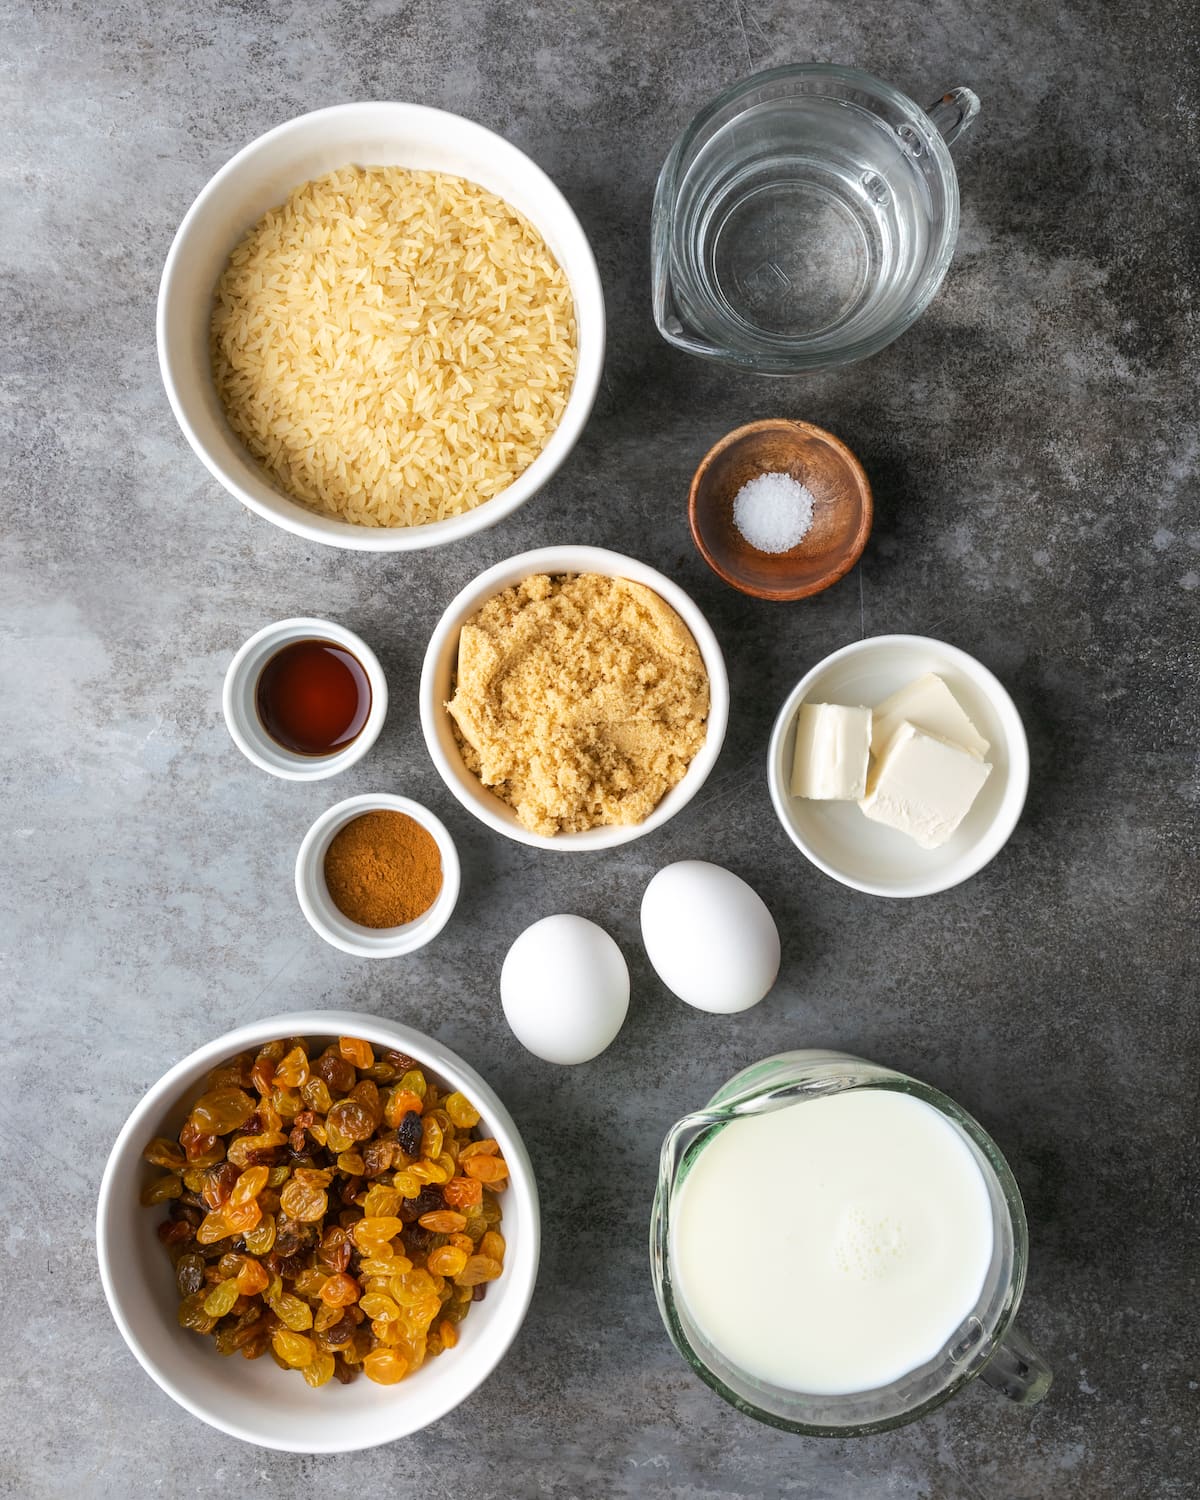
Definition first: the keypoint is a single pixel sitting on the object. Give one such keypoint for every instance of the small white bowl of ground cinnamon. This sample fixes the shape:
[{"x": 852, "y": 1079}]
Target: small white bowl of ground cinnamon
[{"x": 377, "y": 876}]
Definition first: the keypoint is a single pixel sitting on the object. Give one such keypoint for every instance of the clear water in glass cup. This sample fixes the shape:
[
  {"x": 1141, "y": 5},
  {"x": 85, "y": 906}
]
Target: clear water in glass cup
[{"x": 805, "y": 219}]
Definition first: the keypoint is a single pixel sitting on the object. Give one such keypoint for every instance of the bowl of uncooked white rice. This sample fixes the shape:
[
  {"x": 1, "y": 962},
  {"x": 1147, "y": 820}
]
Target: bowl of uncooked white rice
[{"x": 381, "y": 326}]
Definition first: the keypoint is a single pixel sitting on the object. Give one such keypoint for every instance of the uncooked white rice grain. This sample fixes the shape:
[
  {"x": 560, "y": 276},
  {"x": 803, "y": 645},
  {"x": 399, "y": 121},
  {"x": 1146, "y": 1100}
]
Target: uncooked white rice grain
[{"x": 393, "y": 347}]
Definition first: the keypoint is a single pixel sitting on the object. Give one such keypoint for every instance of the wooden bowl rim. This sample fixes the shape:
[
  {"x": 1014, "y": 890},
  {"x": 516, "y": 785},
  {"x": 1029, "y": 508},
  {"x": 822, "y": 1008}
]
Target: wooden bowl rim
[{"x": 785, "y": 593}]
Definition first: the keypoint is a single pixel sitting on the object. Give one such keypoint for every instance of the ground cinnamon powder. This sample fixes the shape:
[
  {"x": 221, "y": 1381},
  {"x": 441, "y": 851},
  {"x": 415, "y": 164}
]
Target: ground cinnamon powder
[{"x": 383, "y": 869}]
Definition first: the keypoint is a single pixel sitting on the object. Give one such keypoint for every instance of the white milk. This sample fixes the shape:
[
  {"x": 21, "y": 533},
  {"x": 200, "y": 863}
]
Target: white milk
[{"x": 835, "y": 1244}]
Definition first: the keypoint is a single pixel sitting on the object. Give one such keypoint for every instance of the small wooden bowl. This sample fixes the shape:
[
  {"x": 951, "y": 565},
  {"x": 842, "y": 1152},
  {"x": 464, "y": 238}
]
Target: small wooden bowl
[{"x": 842, "y": 511}]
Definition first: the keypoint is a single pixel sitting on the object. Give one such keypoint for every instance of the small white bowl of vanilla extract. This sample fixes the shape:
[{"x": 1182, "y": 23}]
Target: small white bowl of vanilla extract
[{"x": 304, "y": 699}]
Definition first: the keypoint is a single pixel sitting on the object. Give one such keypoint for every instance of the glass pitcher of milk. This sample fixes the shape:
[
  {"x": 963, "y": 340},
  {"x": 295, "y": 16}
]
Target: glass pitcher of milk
[{"x": 837, "y": 1248}]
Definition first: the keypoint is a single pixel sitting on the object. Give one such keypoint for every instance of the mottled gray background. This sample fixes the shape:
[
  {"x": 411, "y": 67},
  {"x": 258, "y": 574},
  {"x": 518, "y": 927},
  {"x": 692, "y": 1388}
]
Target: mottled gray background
[{"x": 1033, "y": 448}]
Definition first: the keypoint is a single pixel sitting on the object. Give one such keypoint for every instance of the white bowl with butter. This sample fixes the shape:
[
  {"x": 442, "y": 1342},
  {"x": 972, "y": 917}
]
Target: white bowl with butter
[{"x": 834, "y": 831}]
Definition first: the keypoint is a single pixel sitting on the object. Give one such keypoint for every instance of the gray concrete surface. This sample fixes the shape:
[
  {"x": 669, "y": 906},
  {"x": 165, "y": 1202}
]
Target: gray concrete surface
[{"x": 1034, "y": 451}]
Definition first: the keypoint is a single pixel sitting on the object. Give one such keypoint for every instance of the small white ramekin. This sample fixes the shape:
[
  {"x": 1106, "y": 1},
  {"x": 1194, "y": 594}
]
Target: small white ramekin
[
  {"x": 318, "y": 906},
  {"x": 252, "y": 1400},
  {"x": 441, "y": 659},
  {"x": 241, "y": 714}
]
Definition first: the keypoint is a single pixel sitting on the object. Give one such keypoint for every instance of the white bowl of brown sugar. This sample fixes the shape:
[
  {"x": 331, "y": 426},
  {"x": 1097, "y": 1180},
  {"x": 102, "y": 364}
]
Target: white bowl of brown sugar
[
  {"x": 573, "y": 698},
  {"x": 377, "y": 876}
]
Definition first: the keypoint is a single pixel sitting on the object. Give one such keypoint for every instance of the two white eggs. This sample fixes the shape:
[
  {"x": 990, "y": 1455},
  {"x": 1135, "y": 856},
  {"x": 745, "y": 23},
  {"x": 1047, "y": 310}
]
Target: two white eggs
[{"x": 713, "y": 943}]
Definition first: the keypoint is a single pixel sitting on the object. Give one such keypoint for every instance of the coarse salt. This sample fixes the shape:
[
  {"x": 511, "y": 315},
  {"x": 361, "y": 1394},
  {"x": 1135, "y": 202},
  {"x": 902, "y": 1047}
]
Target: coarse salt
[{"x": 773, "y": 512}]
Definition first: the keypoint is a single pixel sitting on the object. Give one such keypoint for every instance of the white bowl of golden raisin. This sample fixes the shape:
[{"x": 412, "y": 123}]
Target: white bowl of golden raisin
[{"x": 319, "y": 1232}]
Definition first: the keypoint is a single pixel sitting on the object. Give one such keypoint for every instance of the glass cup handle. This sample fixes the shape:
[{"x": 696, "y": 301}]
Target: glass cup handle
[
  {"x": 1017, "y": 1370},
  {"x": 953, "y": 112}
]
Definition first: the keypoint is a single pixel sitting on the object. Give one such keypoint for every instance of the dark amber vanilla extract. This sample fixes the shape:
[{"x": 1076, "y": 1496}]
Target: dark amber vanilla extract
[{"x": 313, "y": 697}]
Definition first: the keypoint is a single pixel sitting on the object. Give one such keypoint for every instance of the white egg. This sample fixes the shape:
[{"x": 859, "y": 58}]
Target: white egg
[
  {"x": 710, "y": 937},
  {"x": 565, "y": 989}
]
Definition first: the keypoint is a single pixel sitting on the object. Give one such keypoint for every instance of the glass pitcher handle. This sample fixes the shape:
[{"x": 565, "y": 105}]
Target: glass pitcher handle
[
  {"x": 1017, "y": 1370},
  {"x": 953, "y": 112}
]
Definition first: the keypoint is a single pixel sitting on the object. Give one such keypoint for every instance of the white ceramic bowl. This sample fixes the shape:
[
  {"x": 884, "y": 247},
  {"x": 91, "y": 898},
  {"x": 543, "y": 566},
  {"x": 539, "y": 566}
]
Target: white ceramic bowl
[
  {"x": 836, "y": 836},
  {"x": 241, "y": 714},
  {"x": 318, "y": 906},
  {"x": 441, "y": 659},
  {"x": 260, "y": 177},
  {"x": 255, "y": 1400}
]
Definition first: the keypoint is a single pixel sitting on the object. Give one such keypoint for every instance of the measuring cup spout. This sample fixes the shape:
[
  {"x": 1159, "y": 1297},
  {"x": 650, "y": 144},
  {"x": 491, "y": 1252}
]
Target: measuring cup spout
[{"x": 953, "y": 112}]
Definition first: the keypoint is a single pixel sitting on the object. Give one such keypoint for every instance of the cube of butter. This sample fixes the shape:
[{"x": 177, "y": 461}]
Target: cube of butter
[
  {"x": 927, "y": 704},
  {"x": 923, "y": 786},
  {"x": 833, "y": 746}
]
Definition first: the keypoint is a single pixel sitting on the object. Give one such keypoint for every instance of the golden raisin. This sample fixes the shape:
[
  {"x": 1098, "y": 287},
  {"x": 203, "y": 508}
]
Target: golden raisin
[
  {"x": 292, "y": 1072},
  {"x": 415, "y": 1082},
  {"x": 162, "y": 1188},
  {"x": 407, "y": 1184},
  {"x": 431, "y": 1138},
  {"x": 401, "y": 1102},
  {"x": 260, "y": 1239},
  {"x": 478, "y": 1269},
  {"x": 222, "y": 1110},
  {"x": 411, "y": 1287},
  {"x": 328, "y": 1317},
  {"x": 294, "y": 1348},
  {"x": 293, "y": 1313},
  {"x": 309, "y": 1282},
  {"x": 463, "y": 1192},
  {"x": 249, "y": 1185},
  {"x": 486, "y": 1168},
  {"x": 360, "y": 1054},
  {"x": 252, "y": 1277},
  {"x": 377, "y": 1306},
  {"x": 316, "y": 1095},
  {"x": 340, "y": 1290},
  {"x": 247, "y": 1147},
  {"x": 385, "y": 1366},
  {"x": 212, "y": 1228},
  {"x": 461, "y": 1111},
  {"x": 307, "y": 1204},
  {"x": 192, "y": 1314},
  {"x": 319, "y": 1370},
  {"x": 221, "y": 1299},
  {"x": 242, "y": 1216},
  {"x": 382, "y": 1202},
  {"x": 443, "y": 1221},
  {"x": 479, "y": 1148},
  {"x": 371, "y": 1231},
  {"x": 448, "y": 1261},
  {"x": 163, "y": 1153},
  {"x": 350, "y": 1120},
  {"x": 492, "y": 1244}
]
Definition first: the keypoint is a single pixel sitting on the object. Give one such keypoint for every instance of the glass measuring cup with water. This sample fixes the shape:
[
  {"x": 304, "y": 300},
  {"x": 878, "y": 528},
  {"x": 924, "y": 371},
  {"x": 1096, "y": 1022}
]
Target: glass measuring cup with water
[
  {"x": 980, "y": 1339},
  {"x": 805, "y": 218}
]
